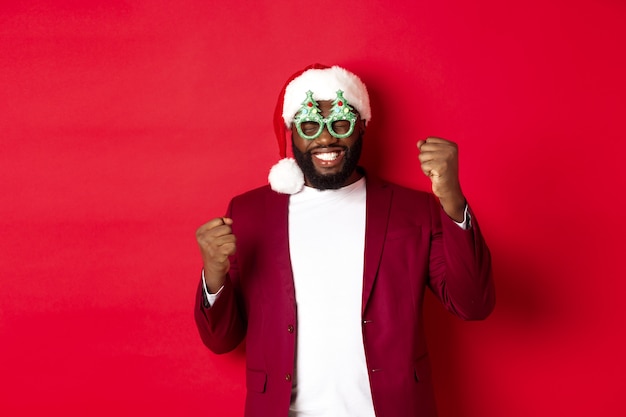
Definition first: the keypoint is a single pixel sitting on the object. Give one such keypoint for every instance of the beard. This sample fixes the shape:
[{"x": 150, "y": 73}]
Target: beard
[{"x": 329, "y": 181}]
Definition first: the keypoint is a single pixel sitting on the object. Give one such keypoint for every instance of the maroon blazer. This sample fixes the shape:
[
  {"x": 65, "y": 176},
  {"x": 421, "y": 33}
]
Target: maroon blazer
[{"x": 410, "y": 244}]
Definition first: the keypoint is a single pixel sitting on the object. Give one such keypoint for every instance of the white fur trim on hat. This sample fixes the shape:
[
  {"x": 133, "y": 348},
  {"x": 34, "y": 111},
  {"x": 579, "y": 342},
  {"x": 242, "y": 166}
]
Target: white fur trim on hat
[
  {"x": 286, "y": 177},
  {"x": 324, "y": 84}
]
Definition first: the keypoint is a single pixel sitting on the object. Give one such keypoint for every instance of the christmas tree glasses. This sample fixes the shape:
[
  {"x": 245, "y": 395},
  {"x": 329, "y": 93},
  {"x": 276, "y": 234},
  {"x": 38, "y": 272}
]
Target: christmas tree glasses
[{"x": 340, "y": 123}]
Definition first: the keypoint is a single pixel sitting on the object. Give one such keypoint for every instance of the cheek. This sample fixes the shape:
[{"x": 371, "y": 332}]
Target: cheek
[
  {"x": 298, "y": 142},
  {"x": 352, "y": 139},
  {"x": 359, "y": 131}
]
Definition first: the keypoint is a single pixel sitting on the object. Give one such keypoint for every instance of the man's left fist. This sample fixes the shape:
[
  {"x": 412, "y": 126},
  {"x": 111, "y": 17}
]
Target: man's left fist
[{"x": 440, "y": 161}]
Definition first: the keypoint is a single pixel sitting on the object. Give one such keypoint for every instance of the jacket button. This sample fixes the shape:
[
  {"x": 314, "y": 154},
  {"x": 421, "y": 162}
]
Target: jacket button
[
  {"x": 287, "y": 377},
  {"x": 290, "y": 328}
]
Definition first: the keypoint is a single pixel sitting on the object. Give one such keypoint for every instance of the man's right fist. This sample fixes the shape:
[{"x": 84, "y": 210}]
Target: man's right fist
[{"x": 217, "y": 243}]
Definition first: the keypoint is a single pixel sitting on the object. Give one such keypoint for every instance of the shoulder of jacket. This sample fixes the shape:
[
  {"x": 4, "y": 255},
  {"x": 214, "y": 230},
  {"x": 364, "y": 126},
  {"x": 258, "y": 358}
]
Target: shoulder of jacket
[
  {"x": 401, "y": 190},
  {"x": 260, "y": 196}
]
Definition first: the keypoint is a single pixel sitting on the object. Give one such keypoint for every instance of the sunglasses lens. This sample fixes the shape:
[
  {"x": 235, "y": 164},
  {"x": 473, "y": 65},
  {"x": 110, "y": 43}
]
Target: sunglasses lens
[
  {"x": 310, "y": 130},
  {"x": 341, "y": 127}
]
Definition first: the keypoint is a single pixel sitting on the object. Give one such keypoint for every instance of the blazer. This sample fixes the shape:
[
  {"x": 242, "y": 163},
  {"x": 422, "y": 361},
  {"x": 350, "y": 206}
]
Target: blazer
[{"x": 410, "y": 244}]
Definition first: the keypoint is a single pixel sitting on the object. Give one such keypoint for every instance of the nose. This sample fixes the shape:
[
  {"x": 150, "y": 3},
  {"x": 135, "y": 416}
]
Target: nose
[{"x": 325, "y": 138}]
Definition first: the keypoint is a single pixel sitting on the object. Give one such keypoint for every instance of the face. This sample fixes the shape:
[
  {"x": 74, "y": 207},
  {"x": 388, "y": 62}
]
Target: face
[{"x": 326, "y": 161}]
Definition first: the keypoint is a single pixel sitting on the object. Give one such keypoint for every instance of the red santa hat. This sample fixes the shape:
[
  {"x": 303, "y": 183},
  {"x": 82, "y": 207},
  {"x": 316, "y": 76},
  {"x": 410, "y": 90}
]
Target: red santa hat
[{"x": 286, "y": 177}]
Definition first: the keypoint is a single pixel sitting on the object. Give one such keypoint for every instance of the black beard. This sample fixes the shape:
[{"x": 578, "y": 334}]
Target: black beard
[{"x": 329, "y": 181}]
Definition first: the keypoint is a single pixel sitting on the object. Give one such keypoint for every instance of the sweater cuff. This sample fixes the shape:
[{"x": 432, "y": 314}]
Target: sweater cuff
[
  {"x": 208, "y": 299},
  {"x": 465, "y": 224}
]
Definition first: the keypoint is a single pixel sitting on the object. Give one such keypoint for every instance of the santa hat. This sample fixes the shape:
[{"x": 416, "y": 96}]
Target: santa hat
[{"x": 286, "y": 177}]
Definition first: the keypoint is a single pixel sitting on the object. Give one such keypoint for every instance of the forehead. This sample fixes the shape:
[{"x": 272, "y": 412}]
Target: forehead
[{"x": 325, "y": 104}]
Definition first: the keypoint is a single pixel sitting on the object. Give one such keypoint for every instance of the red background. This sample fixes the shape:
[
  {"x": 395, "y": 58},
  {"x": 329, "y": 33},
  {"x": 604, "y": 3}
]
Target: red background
[{"x": 125, "y": 125}]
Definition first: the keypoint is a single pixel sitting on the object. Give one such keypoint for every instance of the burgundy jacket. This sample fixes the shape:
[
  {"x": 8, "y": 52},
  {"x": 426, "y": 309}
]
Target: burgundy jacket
[{"x": 410, "y": 244}]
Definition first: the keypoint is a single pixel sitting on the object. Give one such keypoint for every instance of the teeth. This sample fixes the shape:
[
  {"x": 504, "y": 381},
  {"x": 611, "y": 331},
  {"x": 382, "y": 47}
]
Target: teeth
[{"x": 327, "y": 156}]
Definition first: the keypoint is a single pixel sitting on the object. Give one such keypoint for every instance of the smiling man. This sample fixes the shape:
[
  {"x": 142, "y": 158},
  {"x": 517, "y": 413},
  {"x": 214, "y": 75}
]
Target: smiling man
[
  {"x": 328, "y": 156},
  {"x": 323, "y": 272}
]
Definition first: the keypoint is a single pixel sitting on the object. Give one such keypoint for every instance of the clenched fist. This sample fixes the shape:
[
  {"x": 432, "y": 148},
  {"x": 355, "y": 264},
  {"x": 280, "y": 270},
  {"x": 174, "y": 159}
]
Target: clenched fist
[
  {"x": 440, "y": 162},
  {"x": 217, "y": 242}
]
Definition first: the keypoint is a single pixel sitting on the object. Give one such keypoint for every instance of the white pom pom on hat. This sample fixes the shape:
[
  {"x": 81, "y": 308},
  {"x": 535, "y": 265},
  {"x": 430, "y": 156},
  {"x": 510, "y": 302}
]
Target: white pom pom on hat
[{"x": 286, "y": 177}]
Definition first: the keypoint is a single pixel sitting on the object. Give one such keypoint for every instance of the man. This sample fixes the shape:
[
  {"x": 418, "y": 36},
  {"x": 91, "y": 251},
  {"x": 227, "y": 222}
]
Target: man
[{"x": 324, "y": 271}]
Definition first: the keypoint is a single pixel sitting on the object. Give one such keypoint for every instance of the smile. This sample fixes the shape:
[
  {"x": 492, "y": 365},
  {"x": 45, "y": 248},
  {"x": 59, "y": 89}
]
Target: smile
[{"x": 327, "y": 156}]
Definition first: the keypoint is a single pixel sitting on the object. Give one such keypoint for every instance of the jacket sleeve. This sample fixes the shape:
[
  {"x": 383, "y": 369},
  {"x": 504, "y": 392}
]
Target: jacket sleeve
[
  {"x": 460, "y": 267},
  {"x": 222, "y": 326}
]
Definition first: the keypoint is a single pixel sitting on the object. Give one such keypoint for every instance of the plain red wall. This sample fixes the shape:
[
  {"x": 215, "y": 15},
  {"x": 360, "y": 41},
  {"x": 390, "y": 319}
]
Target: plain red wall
[{"x": 124, "y": 125}]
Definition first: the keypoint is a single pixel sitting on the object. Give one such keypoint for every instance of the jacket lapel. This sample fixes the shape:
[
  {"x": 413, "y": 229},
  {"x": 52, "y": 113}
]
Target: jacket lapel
[
  {"x": 377, "y": 216},
  {"x": 277, "y": 227}
]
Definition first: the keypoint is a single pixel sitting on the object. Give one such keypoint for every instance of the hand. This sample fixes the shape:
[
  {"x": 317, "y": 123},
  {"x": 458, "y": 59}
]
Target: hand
[
  {"x": 217, "y": 242},
  {"x": 440, "y": 162}
]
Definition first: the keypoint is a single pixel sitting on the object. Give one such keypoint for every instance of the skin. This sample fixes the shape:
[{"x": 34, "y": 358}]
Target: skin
[
  {"x": 217, "y": 242},
  {"x": 438, "y": 159},
  {"x": 327, "y": 144}
]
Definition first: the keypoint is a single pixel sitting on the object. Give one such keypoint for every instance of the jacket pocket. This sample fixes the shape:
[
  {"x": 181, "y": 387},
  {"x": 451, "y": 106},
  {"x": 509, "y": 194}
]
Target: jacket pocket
[
  {"x": 422, "y": 370},
  {"x": 256, "y": 380}
]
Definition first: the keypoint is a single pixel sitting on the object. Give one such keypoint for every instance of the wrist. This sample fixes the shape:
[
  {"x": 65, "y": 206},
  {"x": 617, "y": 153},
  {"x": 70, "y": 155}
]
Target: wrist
[
  {"x": 213, "y": 281},
  {"x": 454, "y": 207}
]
